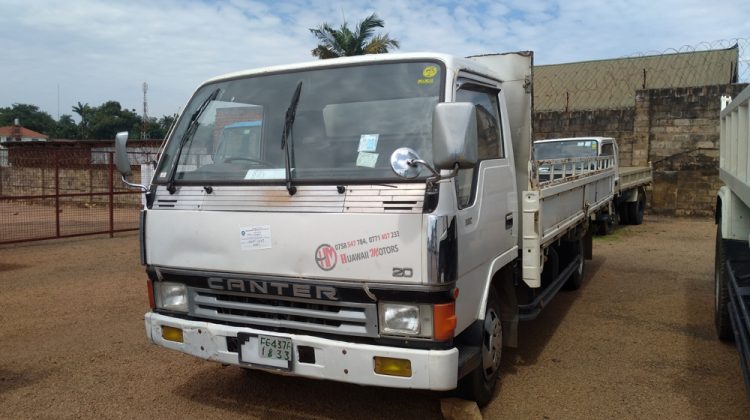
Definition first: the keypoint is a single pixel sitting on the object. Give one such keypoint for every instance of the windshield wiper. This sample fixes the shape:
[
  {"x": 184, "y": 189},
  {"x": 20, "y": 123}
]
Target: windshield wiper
[
  {"x": 287, "y": 141},
  {"x": 192, "y": 126}
]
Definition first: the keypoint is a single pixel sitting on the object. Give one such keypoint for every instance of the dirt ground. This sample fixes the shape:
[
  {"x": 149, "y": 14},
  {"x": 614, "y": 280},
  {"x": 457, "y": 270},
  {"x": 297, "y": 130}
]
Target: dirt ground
[{"x": 636, "y": 341}]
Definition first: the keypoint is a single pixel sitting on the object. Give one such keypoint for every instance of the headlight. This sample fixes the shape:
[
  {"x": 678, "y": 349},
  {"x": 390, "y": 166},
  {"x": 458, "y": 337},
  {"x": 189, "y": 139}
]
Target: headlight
[
  {"x": 171, "y": 296},
  {"x": 405, "y": 319}
]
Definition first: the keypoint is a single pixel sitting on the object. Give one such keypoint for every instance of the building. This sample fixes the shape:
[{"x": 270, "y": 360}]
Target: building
[{"x": 13, "y": 133}]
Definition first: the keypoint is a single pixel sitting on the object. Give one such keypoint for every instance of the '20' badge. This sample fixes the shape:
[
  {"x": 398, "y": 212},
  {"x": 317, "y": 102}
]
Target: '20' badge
[{"x": 325, "y": 257}]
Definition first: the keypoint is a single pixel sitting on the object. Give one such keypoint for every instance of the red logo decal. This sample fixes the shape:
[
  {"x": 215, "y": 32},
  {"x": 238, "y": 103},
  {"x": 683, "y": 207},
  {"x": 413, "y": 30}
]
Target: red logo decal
[{"x": 325, "y": 257}]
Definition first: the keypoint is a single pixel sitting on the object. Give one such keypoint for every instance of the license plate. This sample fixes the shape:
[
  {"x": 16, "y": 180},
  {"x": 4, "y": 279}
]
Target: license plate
[
  {"x": 277, "y": 348},
  {"x": 266, "y": 351}
]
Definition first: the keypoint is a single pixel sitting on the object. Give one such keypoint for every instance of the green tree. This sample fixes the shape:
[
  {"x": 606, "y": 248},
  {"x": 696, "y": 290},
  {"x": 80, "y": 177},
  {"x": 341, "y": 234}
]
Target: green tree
[
  {"x": 29, "y": 116},
  {"x": 66, "y": 128},
  {"x": 110, "y": 118},
  {"x": 344, "y": 42}
]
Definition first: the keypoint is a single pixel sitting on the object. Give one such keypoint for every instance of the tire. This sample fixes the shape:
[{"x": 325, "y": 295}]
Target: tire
[
  {"x": 635, "y": 210},
  {"x": 604, "y": 227},
  {"x": 576, "y": 279},
  {"x": 622, "y": 211},
  {"x": 551, "y": 266},
  {"x": 480, "y": 384},
  {"x": 721, "y": 294}
]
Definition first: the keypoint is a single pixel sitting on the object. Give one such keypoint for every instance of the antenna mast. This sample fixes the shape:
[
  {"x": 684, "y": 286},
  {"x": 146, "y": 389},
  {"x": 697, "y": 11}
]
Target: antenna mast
[{"x": 144, "y": 123}]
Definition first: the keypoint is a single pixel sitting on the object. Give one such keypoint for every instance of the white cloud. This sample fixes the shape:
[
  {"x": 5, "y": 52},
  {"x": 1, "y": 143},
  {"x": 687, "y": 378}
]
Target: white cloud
[{"x": 100, "y": 50}]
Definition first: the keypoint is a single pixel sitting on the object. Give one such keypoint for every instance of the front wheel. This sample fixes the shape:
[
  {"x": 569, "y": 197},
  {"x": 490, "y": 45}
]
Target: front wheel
[{"x": 480, "y": 384}]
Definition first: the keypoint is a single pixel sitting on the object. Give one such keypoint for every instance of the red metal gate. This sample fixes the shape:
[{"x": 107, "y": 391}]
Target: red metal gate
[{"x": 46, "y": 194}]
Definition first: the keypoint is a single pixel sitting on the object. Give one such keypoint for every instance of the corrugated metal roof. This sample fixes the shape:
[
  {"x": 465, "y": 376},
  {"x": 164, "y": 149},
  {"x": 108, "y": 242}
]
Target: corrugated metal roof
[{"x": 611, "y": 84}]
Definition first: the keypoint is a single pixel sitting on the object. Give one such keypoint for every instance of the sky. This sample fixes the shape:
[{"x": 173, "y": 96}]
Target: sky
[{"x": 54, "y": 54}]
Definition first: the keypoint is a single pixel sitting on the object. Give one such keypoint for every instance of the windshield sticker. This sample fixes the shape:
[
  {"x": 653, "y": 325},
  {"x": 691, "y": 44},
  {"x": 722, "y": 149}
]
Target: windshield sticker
[
  {"x": 255, "y": 237},
  {"x": 428, "y": 73},
  {"x": 368, "y": 160},
  {"x": 265, "y": 174},
  {"x": 163, "y": 175},
  {"x": 580, "y": 144},
  {"x": 368, "y": 143},
  {"x": 587, "y": 144}
]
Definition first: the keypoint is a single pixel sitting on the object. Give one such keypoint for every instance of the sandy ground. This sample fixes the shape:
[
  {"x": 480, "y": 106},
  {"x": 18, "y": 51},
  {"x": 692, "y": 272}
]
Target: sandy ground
[{"x": 636, "y": 341}]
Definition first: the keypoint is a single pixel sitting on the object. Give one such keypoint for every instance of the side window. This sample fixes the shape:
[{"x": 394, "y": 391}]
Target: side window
[
  {"x": 489, "y": 136},
  {"x": 608, "y": 149}
]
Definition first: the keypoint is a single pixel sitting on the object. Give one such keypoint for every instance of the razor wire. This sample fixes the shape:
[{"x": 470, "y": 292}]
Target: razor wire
[{"x": 613, "y": 83}]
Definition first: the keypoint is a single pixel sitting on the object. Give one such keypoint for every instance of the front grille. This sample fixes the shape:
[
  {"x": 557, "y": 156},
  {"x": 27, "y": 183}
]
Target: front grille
[{"x": 307, "y": 315}]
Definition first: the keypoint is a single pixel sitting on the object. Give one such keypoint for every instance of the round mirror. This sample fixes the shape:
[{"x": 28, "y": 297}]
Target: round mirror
[{"x": 403, "y": 162}]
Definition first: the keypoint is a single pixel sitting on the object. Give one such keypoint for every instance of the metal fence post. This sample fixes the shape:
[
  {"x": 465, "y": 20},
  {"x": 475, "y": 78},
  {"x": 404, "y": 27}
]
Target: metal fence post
[
  {"x": 111, "y": 194},
  {"x": 57, "y": 193}
]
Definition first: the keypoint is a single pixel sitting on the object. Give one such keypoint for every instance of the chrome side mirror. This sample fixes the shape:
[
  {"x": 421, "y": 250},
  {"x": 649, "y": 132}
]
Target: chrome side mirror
[
  {"x": 122, "y": 162},
  {"x": 454, "y": 135},
  {"x": 121, "y": 154},
  {"x": 405, "y": 163}
]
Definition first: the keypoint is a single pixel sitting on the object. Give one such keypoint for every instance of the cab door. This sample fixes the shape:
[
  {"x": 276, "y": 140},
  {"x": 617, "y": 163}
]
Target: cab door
[{"x": 486, "y": 195}]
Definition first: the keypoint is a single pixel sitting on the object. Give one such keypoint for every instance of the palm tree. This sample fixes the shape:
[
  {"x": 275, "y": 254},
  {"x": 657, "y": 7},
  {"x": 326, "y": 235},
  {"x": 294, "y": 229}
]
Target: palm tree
[
  {"x": 84, "y": 111},
  {"x": 343, "y": 42}
]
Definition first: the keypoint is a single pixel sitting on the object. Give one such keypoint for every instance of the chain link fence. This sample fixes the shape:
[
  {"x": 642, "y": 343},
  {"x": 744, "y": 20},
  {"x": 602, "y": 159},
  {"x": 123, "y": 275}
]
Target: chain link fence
[
  {"x": 57, "y": 193},
  {"x": 612, "y": 84}
]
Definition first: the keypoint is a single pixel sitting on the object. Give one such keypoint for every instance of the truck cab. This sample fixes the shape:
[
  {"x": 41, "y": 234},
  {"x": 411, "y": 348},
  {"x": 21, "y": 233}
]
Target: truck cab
[
  {"x": 369, "y": 220},
  {"x": 565, "y": 151}
]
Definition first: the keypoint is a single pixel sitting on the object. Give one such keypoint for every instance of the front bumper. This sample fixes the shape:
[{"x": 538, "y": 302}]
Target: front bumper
[{"x": 334, "y": 360}]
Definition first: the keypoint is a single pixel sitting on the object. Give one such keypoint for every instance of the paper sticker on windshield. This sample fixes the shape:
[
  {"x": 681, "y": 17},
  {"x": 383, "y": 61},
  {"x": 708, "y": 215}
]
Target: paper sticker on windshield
[
  {"x": 255, "y": 237},
  {"x": 367, "y": 160},
  {"x": 368, "y": 143},
  {"x": 266, "y": 174},
  {"x": 580, "y": 144}
]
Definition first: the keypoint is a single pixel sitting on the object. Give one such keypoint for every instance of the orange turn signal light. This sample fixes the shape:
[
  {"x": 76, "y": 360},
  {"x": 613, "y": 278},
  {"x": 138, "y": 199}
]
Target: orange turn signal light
[{"x": 444, "y": 321}]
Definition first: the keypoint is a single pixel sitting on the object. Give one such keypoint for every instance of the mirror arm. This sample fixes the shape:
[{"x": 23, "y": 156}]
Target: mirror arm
[
  {"x": 415, "y": 162},
  {"x": 143, "y": 188}
]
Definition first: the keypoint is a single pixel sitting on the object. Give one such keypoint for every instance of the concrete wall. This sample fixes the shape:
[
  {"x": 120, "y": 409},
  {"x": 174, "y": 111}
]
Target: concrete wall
[{"x": 677, "y": 130}]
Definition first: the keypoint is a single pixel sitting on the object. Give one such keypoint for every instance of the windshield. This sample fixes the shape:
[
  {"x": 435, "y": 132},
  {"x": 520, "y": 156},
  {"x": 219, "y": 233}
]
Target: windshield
[
  {"x": 348, "y": 122},
  {"x": 565, "y": 149}
]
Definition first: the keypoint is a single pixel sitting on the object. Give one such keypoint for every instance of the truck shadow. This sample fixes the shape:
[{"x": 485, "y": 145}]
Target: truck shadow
[
  {"x": 534, "y": 335},
  {"x": 259, "y": 394}
]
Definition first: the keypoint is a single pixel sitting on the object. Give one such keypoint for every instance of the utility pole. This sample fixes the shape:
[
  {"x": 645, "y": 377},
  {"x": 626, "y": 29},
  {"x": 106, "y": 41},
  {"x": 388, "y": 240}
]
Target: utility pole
[{"x": 144, "y": 123}]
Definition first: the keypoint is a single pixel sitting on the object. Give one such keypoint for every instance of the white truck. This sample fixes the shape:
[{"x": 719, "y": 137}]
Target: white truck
[
  {"x": 732, "y": 261},
  {"x": 383, "y": 229},
  {"x": 557, "y": 158}
]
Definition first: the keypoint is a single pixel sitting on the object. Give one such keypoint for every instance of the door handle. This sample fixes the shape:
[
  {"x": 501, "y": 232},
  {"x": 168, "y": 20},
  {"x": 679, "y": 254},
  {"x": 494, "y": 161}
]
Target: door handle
[{"x": 508, "y": 221}]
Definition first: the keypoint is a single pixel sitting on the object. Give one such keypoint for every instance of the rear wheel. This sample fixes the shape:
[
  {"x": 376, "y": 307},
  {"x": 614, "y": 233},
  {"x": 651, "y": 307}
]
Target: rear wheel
[
  {"x": 636, "y": 209},
  {"x": 721, "y": 294},
  {"x": 576, "y": 251},
  {"x": 604, "y": 227},
  {"x": 480, "y": 384},
  {"x": 622, "y": 211}
]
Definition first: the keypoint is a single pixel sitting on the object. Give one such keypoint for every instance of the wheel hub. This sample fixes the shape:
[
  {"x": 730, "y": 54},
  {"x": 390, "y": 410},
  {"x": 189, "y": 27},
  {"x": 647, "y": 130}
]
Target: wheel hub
[{"x": 492, "y": 343}]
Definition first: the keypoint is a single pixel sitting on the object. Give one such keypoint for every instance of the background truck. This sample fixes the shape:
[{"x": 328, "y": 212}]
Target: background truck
[
  {"x": 385, "y": 231},
  {"x": 732, "y": 262},
  {"x": 558, "y": 157}
]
